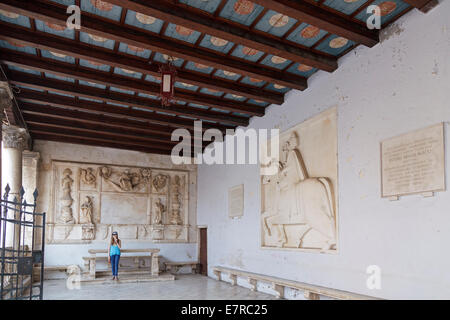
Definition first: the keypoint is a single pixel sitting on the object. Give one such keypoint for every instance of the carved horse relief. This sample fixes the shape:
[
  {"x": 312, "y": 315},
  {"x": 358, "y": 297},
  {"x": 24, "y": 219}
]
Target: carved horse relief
[{"x": 299, "y": 200}]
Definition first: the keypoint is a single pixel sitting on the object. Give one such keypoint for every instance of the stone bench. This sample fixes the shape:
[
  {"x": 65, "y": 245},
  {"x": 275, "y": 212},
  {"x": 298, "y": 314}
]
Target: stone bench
[
  {"x": 311, "y": 292},
  {"x": 90, "y": 263},
  {"x": 173, "y": 267}
]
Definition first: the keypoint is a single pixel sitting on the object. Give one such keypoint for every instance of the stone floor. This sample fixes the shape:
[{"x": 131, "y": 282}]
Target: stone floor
[{"x": 192, "y": 287}]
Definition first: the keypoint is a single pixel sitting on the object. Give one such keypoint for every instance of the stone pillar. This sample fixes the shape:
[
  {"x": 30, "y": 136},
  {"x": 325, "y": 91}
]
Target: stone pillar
[
  {"x": 30, "y": 161},
  {"x": 15, "y": 140}
]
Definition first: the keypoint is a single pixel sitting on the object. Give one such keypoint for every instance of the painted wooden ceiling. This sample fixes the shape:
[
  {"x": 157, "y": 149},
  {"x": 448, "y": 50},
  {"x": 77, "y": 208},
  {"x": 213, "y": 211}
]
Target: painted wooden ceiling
[{"x": 99, "y": 85}]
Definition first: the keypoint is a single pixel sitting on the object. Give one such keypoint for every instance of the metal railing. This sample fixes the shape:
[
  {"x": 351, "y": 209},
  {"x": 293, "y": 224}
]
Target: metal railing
[{"x": 22, "y": 238}]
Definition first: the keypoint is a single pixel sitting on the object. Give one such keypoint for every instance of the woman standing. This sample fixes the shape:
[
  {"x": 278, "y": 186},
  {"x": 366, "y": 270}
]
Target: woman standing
[{"x": 114, "y": 254}]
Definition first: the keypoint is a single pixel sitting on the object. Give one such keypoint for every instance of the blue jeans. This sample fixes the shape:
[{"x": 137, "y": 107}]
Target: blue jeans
[{"x": 115, "y": 264}]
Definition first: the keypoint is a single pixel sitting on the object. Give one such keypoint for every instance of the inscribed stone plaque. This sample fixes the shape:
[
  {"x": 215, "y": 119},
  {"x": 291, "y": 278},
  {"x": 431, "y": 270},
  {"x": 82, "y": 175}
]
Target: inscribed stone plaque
[
  {"x": 413, "y": 162},
  {"x": 123, "y": 208},
  {"x": 236, "y": 201}
]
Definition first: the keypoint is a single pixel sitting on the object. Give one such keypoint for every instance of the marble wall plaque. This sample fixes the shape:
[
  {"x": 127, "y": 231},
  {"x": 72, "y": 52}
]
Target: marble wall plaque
[
  {"x": 124, "y": 209},
  {"x": 236, "y": 201},
  {"x": 413, "y": 163}
]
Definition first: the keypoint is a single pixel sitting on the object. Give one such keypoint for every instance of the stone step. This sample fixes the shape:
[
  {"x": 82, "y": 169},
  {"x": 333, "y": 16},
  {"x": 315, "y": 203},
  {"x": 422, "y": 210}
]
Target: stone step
[
  {"x": 127, "y": 278},
  {"x": 123, "y": 271}
]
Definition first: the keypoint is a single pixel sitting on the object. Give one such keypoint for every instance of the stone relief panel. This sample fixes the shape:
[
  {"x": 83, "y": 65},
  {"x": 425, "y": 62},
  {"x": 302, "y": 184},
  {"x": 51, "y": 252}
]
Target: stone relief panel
[
  {"x": 176, "y": 213},
  {"x": 160, "y": 183},
  {"x": 159, "y": 209},
  {"x": 88, "y": 178},
  {"x": 89, "y": 201},
  {"x": 124, "y": 179},
  {"x": 299, "y": 202},
  {"x": 66, "y": 200}
]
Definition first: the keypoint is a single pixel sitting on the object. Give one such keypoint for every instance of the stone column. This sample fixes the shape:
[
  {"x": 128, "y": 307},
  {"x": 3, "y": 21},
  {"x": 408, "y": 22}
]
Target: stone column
[
  {"x": 30, "y": 161},
  {"x": 15, "y": 140}
]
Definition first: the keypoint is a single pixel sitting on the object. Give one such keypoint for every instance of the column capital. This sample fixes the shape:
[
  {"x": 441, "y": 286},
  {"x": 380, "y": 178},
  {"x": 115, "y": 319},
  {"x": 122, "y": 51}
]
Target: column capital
[{"x": 15, "y": 137}]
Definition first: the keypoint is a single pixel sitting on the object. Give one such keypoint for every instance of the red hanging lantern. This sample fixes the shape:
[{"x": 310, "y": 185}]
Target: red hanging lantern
[{"x": 168, "y": 73}]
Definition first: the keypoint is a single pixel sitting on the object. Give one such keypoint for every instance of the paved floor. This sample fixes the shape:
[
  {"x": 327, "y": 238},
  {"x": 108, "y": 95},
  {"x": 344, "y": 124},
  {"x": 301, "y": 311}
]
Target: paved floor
[{"x": 192, "y": 287}]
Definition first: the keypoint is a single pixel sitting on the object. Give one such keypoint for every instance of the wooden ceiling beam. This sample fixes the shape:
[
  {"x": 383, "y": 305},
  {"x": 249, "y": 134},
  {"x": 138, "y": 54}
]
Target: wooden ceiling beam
[
  {"x": 97, "y": 137},
  {"x": 86, "y": 126},
  {"x": 75, "y": 139},
  {"x": 52, "y": 13},
  {"x": 43, "y": 41},
  {"x": 38, "y": 114},
  {"x": 35, "y": 122},
  {"x": 65, "y": 87},
  {"x": 100, "y": 137},
  {"x": 80, "y": 129},
  {"x": 62, "y": 114},
  {"x": 203, "y": 23},
  {"x": 312, "y": 14},
  {"x": 126, "y": 83},
  {"x": 123, "y": 117},
  {"x": 423, "y": 5}
]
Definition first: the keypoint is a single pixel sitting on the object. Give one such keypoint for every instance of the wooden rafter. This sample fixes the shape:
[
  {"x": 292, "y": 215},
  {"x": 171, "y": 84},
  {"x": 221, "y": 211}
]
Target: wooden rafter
[
  {"x": 205, "y": 24},
  {"x": 32, "y": 101},
  {"x": 50, "y": 120},
  {"x": 127, "y": 83},
  {"x": 323, "y": 19},
  {"x": 39, "y": 123},
  {"x": 79, "y": 50},
  {"x": 70, "y": 137},
  {"x": 52, "y": 13},
  {"x": 119, "y": 98}
]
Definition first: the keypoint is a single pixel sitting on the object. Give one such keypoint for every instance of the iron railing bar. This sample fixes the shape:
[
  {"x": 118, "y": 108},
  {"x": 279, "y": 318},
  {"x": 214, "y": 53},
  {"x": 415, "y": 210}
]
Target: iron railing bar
[
  {"x": 11, "y": 221},
  {"x": 3, "y": 227},
  {"x": 32, "y": 250},
  {"x": 41, "y": 291},
  {"x": 14, "y": 209},
  {"x": 22, "y": 219},
  {"x": 19, "y": 236},
  {"x": 12, "y": 202}
]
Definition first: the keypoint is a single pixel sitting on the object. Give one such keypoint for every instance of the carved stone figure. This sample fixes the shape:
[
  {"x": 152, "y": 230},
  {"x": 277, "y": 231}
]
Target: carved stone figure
[
  {"x": 88, "y": 232},
  {"x": 88, "y": 176},
  {"x": 127, "y": 181},
  {"x": 67, "y": 231},
  {"x": 86, "y": 211},
  {"x": 160, "y": 208},
  {"x": 300, "y": 200},
  {"x": 175, "y": 217},
  {"x": 66, "y": 199},
  {"x": 146, "y": 174},
  {"x": 160, "y": 181},
  {"x": 105, "y": 172}
]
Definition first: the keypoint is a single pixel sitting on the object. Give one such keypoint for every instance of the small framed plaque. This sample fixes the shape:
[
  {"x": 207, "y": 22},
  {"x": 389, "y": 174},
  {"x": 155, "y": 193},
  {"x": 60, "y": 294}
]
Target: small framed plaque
[
  {"x": 413, "y": 163},
  {"x": 236, "y": 201}
]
